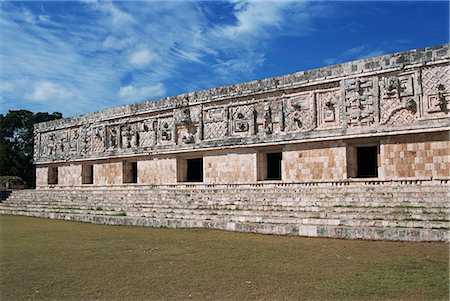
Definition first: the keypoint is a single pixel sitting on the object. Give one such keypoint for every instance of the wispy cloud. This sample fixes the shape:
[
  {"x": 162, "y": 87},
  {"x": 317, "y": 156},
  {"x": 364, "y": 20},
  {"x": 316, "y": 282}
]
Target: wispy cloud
[
  {"x": 131, "y": 93},
  {"x": 355, "y": 53},
  {"x": 101, "y": 54},
  {"x": 45, "y": 91}
]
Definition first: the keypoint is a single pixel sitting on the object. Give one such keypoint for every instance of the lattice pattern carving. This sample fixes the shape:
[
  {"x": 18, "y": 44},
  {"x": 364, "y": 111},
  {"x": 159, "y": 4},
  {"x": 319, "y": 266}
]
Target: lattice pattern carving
[
  {"x": 147, "y": 132},
  {"x": 436, "y": 89},
  {"x": 98, "y": 141},
  {"x": 300, "y": 113},
  {"x": 243, "y": 120},
  {"x": 401, "y": 117},
  {"x": 397, "y": 99}
]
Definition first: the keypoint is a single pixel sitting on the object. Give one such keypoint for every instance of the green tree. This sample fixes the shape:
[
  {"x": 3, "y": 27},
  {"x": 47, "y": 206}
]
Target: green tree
[{"x": 16, "y": 142}]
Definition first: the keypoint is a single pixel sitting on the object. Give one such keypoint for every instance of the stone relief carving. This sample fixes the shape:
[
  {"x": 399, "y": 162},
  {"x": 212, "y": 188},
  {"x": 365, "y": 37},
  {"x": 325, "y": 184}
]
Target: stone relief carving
[
  {"x": 300, "y": 113},
  {"x": 242, "y": 120},
  {"x": 392, "y": 98},
  {"x": 360, "y": 101},
  {"x": 215, "y": 123},
  {"x": 62, "y": 143},
  {"x": 85, "y": 142},
  {"x": 146, "y": 132},
  {"x": 436, "y": 90},
  {"x": 73, "y": 144},
  {"x": 397, "y": 104},
  {"x": 98, "y": 141},
  {"x": 269, "y": 116},
  {"x": 328, "y": 112},
  {"x": 129, "y": 135},
  {"x": 112, "y": 136},
  {"x": 188, "y": 124},
  {"x": 165, "y": 130}
]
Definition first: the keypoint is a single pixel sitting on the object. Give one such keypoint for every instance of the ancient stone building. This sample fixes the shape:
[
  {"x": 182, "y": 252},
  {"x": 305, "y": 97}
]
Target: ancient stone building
[{"x": 367, "y": 134}]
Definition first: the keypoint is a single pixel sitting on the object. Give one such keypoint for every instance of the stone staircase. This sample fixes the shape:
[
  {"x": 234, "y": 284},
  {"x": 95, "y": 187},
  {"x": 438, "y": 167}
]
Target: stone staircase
[{"x": 411, "y": 211}]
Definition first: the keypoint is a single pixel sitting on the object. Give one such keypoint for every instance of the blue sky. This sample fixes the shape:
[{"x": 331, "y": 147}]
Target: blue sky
[{"x": 79, "y": 57}]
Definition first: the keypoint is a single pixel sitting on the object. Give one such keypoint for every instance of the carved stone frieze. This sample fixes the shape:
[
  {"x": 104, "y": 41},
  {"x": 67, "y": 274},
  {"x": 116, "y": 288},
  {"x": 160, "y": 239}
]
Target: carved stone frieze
[
  {"x": 346, "y": 100},
  {"x": 360, "y": 101},
  {"x": 129, "y": 135},
  {"x": 436, "y": 90},
  {"x": 300, "y": 112},
  {"x": 74, "y": 140},
  {"x": 328, "y": 109},
  {"x": 269, "y": 116},
  {"x": 166, "y": 130},
  {"x": 147, "y": 132},
  {"x": 85, "y": 143},
  {"x": 99, "y": 139},
  {"x": 215, "y": 123},
  {"x": 242, "y": 119},
  {"x": 398, "y": 103}
]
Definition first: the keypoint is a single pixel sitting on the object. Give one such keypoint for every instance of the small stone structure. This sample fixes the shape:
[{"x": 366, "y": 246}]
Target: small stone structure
[{"x": 372, "y": 133}]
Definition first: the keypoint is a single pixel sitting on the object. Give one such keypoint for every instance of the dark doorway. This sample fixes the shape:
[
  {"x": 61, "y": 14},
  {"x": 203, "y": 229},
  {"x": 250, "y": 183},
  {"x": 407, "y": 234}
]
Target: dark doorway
[
  {"x": 130, "y": 172},
  {"x": 88, "y": 174},
  {"x": 52, "y": 175},
  {"x": 194, "y": 170},
  {"x": 133, "y": 177},
  {"x": 273, "y": 166},
  {"x": 367, "y": 161}
]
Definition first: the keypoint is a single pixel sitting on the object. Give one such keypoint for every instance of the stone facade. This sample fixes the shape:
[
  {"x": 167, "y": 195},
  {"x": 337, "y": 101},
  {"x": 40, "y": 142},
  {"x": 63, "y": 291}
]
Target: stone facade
[
  {"x": 380, "y": 119},
  {"x": 317, "y": 120}
]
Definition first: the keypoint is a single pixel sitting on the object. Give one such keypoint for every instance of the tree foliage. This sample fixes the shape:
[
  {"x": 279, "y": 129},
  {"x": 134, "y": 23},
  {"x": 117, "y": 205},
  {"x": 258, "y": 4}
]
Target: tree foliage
[{"x": 16, "y": 142}]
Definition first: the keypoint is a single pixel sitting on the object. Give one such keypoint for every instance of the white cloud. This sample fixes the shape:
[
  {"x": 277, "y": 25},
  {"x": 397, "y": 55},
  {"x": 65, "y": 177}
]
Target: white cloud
[
  {"x": 354, "y": 53},
  {"x": 253, "y": 17},
  {"x": 48, "y": 91},
  {"x": 90, "y": 56},
  {"x": 142, "y": 58},
  {"x": 133, "y": 94}
]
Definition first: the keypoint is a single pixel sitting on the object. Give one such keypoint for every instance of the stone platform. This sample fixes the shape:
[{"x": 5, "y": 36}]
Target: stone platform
[{"x": 415, "y": 210}]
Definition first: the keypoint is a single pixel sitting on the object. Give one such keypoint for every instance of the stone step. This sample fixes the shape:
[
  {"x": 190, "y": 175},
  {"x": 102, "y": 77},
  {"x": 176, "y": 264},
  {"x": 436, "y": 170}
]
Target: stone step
[
  {"x": 264, "y": 220},
  {"x": 314, "y": 209},
  {"x": 255, "y": 216}
]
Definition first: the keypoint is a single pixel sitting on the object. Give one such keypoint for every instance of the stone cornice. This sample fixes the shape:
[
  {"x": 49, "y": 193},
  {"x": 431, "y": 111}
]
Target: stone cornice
[{"x": 382, "y": 64}]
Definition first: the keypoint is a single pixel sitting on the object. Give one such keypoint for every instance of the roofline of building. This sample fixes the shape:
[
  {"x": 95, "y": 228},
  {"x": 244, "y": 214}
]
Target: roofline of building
[{"x": 382, "y": 64}]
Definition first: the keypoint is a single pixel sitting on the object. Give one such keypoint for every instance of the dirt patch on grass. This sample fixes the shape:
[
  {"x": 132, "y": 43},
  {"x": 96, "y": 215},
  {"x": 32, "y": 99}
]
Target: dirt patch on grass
[{"x": 48, "y": 259}]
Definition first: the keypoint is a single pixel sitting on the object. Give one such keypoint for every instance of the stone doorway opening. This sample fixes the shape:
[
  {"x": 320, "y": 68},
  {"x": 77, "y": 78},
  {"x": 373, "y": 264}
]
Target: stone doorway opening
[
  {"x": 194, "y": 170},
  {"x": 87, "y": 174},
  {"x": 273, "y": 166},
  {"x": 367, "y": 161},
  {"x": 130, "y": 172}
]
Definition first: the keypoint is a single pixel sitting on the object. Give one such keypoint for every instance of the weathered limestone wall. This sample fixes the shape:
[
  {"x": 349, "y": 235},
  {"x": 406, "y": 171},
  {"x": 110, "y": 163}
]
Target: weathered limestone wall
[
  {"x": 321, "y": 161},
  {"x": 400, "y": 93},
  {"x": 109, "y": 173},
  {"x": 69, "y": 175},
  {"x": 416, "y": 156},
  {"x": 318, "y": 120},
  {"x": 41, "y": 176},
  {"x": 232, "y": 167},
  {"x": 158, "y": 170}
]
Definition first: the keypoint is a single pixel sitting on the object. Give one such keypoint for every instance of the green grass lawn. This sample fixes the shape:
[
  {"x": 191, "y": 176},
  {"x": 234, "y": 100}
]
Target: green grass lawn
[{"x": 48, "y": 259}]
